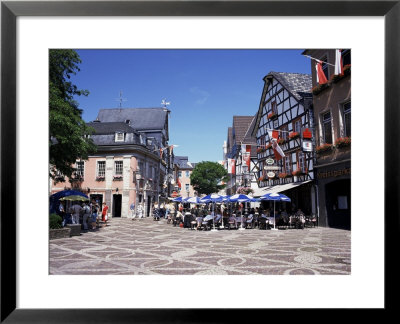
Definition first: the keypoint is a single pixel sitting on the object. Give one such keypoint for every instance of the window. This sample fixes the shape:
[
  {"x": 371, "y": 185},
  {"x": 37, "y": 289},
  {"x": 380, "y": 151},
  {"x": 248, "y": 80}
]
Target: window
[
  {"x": 284, "y": 134},
  {"x": 80, "y": 169},
  {"x": 297, "y": 126},
  {"x": 287, "y": 164},
  {"x": 187, "y": 174},
  {"x": 273, "y": 107},
  {"x": 346, "y": 57},
  {"x": 118, "y": 167},
  {"x": 101, "y": 169},
  {"x": 141, "y": 168},
  {"x": 327, "y": 128},
  {"x": 302, "y": 162},
  {"x": 119, "y": 137},
  {"x": 347, "y": 119},
  {"x": 187, "y": 187},
  {"x": 179, "y": 174}
]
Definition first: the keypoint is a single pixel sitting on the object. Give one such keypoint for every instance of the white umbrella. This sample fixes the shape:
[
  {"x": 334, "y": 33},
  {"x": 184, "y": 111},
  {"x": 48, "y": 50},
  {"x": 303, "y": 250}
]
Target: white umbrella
[
  {"x": 275, "y": 197},
  {"x": 240, "y": 198}
]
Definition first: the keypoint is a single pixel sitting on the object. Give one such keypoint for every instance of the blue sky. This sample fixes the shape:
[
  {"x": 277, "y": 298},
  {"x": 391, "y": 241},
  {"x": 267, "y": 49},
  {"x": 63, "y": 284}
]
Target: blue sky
[{"x": 205, "y": 88}]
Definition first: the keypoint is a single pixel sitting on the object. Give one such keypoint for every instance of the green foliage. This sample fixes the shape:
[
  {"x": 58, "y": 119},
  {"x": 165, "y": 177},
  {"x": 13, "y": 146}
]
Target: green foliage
[
  {"x": 206, "y": 177},
  {"x": 68, "y": 132},
  {"x": 55, "y": 221}
]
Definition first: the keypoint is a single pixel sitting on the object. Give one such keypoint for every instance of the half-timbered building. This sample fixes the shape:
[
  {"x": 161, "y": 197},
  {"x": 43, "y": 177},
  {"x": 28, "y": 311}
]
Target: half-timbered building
[{"x": 286, "y": 108}]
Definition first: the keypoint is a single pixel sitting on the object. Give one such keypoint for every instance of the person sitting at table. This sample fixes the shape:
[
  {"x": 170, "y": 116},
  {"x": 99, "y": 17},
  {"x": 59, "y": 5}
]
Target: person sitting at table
[
  {"x": 232, "y": 220},
  {"x": 178, "y": 218},
  {"x": 217, "y": 218},
  {"x": 207, "y": 221},
  {"x": 249, "y": 220},
  {"x": 263, "y": 220}
]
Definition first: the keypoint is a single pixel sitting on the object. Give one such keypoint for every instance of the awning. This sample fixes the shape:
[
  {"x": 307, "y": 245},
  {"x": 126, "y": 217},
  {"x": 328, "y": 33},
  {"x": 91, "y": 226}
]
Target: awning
[{"x": 278, "y": 188}]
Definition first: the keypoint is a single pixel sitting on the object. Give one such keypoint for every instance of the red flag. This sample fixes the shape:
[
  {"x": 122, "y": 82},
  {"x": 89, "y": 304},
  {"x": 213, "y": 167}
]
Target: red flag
[
  {"x": 273, "y": 135},
  {"x": 161, "y": 151},
  {"x": 179, "y": 183},
  {"x": 321, "y": 78}
]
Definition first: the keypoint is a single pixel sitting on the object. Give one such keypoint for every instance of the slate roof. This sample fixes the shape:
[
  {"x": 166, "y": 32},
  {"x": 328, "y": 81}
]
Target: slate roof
[
  {"x": 110, "y": 128},
  {"x": 241, "y": 125},
  {"x": 230, "y": 140},
  {"x": 249, "y": 139},
  {"x": 183, "y": 162},
  {"x": 140, "y": 118},
  {"x": 298, "y": 84}
]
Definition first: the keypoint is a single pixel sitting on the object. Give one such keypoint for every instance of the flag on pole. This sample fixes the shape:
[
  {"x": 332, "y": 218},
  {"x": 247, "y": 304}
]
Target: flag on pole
[
  {"x": 171, "y": 147},
  {"x": 231, "y": 166},
  {"x": 273, "y": 137},
  {"x": 338, "y": 62},
  {"x": 321, "y": 78}
]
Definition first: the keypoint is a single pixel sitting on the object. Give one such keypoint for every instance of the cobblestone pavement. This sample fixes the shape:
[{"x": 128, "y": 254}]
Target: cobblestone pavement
[{"x": 145, "y": 247}]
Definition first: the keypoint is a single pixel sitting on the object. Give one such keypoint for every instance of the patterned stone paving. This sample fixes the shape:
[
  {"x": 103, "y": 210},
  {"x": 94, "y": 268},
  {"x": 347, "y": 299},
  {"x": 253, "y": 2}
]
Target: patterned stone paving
[{"x": 145, "y": 247}]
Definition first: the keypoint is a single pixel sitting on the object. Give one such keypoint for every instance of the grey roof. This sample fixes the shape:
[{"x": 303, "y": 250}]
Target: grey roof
[
  {"x": 241, "y": 125},
  {"x": 183, "y": 162},
  {"x": 249, "y": 139},
  {"x": 140, "y": 118},
  {"x": 298, "y": 84},
  {"x": 110, "y": 128}
]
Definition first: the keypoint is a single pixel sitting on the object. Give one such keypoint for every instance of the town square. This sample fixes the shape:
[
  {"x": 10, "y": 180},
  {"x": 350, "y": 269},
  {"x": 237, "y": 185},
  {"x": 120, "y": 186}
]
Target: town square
[{"x": 193, "y": 184}]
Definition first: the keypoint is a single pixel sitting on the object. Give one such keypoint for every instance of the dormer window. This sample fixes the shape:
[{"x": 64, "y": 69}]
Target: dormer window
[
  {"x": 127, "y": 121},
  {"x": 119, "y": 136}
]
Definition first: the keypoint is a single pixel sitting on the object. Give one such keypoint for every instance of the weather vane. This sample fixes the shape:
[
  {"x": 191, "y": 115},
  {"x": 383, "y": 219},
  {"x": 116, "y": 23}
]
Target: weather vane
[
  {"x": 120, "y": 99},
  {"x": 165, "y": 103}
]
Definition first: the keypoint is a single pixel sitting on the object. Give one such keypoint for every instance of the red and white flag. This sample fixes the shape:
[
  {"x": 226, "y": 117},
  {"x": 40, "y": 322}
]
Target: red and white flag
[
  {"x": 321, "y": 78},
  {"x": 338, "y": 62},
  {"x": 273, "y": 137},
  {"x": 231, "y": 166}
]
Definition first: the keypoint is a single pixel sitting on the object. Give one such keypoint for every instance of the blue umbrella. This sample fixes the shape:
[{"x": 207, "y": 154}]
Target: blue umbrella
[
  {"x": 212, "y": 198},
  {"x": 193, "y": 200},
  {"x": 177, "y": 199},
  {"x": 275, "y": 197},
  {"x": 240, "y": 198}
]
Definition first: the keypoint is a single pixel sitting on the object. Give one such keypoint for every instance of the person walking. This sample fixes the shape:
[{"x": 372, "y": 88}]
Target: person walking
[
  {"x": 104, "y": 213},
  {"x": 86, "y": 216}
]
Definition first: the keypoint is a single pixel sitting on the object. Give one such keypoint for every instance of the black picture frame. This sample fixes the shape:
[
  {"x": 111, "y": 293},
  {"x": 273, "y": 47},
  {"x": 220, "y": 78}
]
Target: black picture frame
[{"x": 10, "y": 10}]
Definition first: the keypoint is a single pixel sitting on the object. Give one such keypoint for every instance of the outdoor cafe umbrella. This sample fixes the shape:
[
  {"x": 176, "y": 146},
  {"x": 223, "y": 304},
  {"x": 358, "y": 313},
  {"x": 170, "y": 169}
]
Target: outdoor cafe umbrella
[
  {"x": 240, "y": 198},
  {"x": 74, "y": 198},
  {"x": 275, "y": 197},
  {"x": 193, "y": 200},
  {"x": 212, "y": 198}
]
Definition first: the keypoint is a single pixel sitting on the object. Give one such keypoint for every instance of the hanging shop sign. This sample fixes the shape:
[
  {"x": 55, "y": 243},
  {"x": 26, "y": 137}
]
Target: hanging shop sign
[
  {"x": 307, "y": 146},
  {"x": 271, "y": 174},
  {"x": 272, "y": 168},
  {"x": 269, "y": 161}
]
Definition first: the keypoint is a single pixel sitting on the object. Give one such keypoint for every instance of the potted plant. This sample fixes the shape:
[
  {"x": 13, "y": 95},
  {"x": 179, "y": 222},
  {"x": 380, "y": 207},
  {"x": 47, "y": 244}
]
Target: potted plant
[
  {"x": 117, "y": 177},
  {"x": 343, "y": 142},
  {"x": 282, "y": 175},
  {"x": 281, "y": 141},
  {"x": 268, "y": 146},
  {"x": 293, "y": 135},
  {"x": 100, "y": 178},
  {"x": 319, "y": 88},
  {"x": 296, "y": 173},
  {"x": 55, "y": 227}
]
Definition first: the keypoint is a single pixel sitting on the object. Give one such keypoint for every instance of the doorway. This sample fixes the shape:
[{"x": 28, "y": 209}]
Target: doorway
[{"x": 117, "y": 202}]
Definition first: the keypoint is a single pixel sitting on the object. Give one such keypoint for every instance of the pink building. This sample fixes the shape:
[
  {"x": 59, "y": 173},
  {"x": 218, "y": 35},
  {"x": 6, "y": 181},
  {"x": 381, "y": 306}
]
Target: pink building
[{"x": 127, "y": 172}]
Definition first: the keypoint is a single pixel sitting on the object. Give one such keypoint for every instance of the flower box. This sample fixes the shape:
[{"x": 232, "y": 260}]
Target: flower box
[
  {"x": 262, "y": 178},
  {"x": 260, "y": 149},
  {"x": 324, "y": 148},
  {"x": 296, "y": 173},
  {"x": 319, "y": 88},
  {"x": 294, "y": 135},
  {"x": 272, "y": 115},
  {"x": 343, "y": 142},
  {"x": 100, "y": 178},
  {"x": 282, "y": 175},
  {"x": 244, "y": 190},
  {"x": 347, "y": 69},
  {"x": 281, "y": 141},
  {"x": 59, "y": 233},
  {"x": 117, "y": 178},
  {"x": 268, "y": 146}
]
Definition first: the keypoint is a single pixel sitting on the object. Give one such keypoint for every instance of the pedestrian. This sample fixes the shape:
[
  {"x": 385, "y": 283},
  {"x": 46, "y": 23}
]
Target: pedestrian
[
  {"x": 140, "y": 211},
  {"x": 104, "y": 213},
  {"x": 132, "y": 208},
  {"x": 94, "y": 209},
  {"x": 61, "y": 212},
  {"x": 76, "y": 210},
  {"x": 86, "y": 216}
]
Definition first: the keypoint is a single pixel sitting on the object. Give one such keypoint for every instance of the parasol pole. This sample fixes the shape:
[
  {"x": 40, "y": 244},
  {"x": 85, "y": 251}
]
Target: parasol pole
[
  {"x": 274, "y": 218},
  {"x": 241, "y": 220},
  {"x": 213, "y": 215}
]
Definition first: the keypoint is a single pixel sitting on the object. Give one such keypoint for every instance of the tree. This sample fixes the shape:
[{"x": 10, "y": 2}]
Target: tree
[
  {"x": 68, "y": 135},
  {"x": 207, "y": 176}
]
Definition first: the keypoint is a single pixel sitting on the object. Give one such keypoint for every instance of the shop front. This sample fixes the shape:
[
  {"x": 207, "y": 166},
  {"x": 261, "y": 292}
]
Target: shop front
[{"x": 334, "y": 195}]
